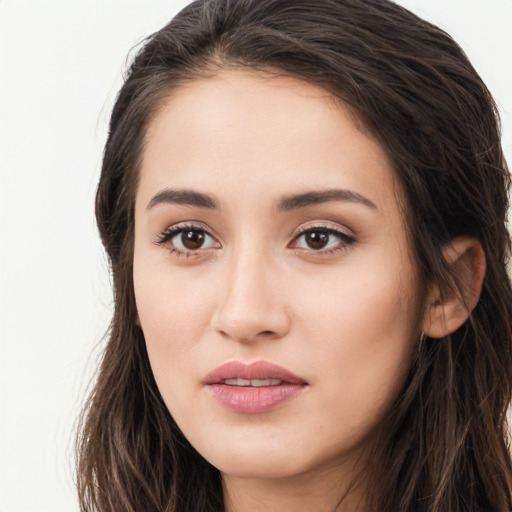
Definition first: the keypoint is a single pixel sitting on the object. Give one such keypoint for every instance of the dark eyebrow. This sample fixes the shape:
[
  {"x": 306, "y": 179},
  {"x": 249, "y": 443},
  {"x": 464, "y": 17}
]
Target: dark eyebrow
[
  {"x": 323, "y": 196},
  {"x": 181, "y": 196}
]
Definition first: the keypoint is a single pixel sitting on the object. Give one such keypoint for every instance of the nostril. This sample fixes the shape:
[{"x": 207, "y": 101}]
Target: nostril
[{"x": 247, "y": 322}]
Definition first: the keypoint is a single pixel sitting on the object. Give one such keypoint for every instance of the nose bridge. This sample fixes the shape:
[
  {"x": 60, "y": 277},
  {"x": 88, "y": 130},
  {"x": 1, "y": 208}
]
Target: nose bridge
[{"x": 251, "y": 306}]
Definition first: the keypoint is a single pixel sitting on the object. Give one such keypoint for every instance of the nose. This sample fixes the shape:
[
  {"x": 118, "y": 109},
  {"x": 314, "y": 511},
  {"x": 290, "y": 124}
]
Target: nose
[{"x": 252, "y": 303}]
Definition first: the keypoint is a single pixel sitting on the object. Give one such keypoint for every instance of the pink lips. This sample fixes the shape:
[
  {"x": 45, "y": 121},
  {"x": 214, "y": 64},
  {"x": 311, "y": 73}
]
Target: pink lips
[{"x": 252, "y": 399}]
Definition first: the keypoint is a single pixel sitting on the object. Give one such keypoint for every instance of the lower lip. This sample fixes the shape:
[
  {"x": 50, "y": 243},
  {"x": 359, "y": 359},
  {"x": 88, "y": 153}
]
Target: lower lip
[{"x": 254, "y": 400}]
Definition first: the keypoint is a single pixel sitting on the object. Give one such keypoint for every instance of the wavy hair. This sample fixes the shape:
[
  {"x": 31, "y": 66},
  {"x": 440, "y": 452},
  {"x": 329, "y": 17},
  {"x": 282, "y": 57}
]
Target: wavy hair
[{"x": 444, "y": 445}]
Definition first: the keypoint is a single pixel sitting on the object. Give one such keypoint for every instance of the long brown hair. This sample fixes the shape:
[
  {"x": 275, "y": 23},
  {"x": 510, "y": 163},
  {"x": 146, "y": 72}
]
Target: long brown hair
[{"x": 444, "y": 445}]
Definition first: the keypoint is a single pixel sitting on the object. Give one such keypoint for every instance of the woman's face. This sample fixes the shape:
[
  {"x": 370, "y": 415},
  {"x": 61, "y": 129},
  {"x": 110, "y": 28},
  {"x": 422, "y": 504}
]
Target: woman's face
[{"x": 267, "y": 231}]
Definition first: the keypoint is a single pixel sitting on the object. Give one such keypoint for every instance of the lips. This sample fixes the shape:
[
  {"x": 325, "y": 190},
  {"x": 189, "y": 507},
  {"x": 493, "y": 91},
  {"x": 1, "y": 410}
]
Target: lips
[
  {"x": 260, "y": 370},
  {"x": 253, "y": 388}
]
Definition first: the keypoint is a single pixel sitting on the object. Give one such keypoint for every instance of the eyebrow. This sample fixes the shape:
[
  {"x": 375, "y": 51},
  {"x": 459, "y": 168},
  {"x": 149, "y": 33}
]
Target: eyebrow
[
  {"x": 186, "y": 197},
  {"x": 287, "y": 203},
  {"x": 295, "y": 201}
]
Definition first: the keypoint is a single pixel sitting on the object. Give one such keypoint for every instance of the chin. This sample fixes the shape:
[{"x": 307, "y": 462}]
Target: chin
[
  {"x": 253, "y": 459},
  {"x": 263, "y": 460},
  {"x": 256, "y": 468}
]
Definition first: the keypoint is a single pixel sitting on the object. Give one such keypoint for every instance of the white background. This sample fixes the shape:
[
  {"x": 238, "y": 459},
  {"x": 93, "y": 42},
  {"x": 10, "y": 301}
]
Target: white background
[{"x": 60, "y": 68}]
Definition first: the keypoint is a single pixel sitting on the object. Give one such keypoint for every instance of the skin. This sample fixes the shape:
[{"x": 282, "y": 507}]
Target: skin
[{"x": 345, "y": 318}]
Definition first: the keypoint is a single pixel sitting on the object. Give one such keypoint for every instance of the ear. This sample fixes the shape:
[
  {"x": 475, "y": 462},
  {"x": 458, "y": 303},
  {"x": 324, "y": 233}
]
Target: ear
[{"x": 448, "y": 308}]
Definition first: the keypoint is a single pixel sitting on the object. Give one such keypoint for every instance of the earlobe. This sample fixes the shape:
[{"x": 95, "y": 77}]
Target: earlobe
[{"x": 448, "y": 308}]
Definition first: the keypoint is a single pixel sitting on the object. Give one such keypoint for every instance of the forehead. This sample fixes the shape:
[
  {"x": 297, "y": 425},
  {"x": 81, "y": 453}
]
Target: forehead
[{"x": 261, "y": 136}]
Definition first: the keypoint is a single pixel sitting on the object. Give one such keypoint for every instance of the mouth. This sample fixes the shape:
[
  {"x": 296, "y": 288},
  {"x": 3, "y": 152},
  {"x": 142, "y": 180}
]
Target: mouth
[
  {"x": 253, "y": 388},
  {"x": 257, "y": 374},
  {"x": 255, "y": 383}
]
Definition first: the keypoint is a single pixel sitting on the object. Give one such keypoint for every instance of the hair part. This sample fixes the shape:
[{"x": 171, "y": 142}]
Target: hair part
[{"x": 444, "y": 445}]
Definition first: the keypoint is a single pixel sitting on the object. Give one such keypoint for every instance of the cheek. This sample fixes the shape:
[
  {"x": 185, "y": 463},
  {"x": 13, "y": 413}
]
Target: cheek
[
  {"x": 360, "y": 332},
  {"x": 174, "y": 313},
  {"x": 367, "y": 301}
]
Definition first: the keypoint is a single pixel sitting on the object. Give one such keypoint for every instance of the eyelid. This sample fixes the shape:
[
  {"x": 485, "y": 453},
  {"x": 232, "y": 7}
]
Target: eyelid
[
  {"x": 165, "y": 236},
  {"x": 345, "y": 236},
  {"x": 326, "y": 226}
]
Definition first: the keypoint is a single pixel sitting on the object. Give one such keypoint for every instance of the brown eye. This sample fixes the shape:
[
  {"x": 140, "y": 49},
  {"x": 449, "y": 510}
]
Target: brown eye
[
  {"x": 323, "y": 240},
  {"x": 187, "y": 240},
  {"x": 316, "y": 239},
  {"x": 193, "y": 239}
]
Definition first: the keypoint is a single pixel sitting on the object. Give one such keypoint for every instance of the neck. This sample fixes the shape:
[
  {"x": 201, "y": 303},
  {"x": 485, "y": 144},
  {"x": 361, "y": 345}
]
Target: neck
[{"x": 323, "y": 492}]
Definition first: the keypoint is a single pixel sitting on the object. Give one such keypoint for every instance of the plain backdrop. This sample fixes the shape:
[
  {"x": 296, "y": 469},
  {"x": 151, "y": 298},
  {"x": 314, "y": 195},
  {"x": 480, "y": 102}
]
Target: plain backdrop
[{"x": 60, "y": 67}]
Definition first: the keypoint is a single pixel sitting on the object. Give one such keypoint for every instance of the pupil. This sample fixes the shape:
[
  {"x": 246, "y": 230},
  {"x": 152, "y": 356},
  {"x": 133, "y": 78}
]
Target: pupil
[
  {"x": 192, "y": 239},
  {"x": 317, "y": 239}
]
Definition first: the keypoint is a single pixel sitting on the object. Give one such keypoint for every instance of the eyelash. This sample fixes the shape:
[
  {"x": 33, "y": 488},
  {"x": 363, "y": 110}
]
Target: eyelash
[
  {"x": 345, "y": 240},
  {"x": 167, "y": 236}
]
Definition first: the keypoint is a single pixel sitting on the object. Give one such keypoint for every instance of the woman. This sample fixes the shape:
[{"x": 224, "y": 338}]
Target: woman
[{"x": 304, "y": 208}]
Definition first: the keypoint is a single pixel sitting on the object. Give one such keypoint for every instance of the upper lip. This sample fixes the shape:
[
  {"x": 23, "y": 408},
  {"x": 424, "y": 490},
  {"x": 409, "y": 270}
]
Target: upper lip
[{"x": 259, "y": 370}]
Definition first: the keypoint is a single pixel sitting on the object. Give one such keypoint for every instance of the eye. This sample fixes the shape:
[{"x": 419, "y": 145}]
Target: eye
[
  {"x": 192, "y": 240},
  {"x": 186, "y": 239},
  {"x": 322, "y": 239}
]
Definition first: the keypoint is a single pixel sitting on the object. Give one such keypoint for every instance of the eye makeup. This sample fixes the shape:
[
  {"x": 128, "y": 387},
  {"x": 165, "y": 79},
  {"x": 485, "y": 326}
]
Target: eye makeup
[
  {"x": 322, "y": 239},
  {"x": 186, "y": 239},
  {"x": 190, "y": 239}
]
